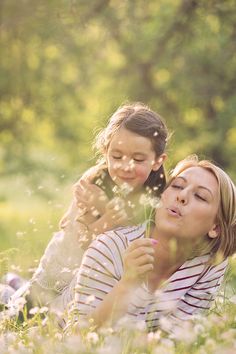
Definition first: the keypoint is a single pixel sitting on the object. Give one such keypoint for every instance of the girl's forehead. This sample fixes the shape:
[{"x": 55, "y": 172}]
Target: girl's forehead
[{"x": 125, "y": 139}]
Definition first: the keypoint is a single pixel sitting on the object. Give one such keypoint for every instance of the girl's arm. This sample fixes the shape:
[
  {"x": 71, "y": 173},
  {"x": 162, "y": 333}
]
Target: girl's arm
[{"x": 100, "y": 293}]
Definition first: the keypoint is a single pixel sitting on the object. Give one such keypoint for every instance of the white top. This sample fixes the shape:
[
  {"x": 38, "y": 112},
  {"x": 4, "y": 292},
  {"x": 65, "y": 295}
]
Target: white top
[
  {"x": 191, "y": 289},
  {"x": 63, "y": 254}
]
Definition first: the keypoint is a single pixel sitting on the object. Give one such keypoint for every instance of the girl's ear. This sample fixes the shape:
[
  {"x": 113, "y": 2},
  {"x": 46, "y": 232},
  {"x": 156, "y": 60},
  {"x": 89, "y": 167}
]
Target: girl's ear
[
  {"x": 158, "y": 162},
  {"x": 215, "y": 231}
]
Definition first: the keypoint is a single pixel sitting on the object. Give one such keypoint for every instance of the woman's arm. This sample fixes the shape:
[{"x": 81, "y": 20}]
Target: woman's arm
[
  {"x": 200, "y": 297},
  {"x": 100, "y": 293}
]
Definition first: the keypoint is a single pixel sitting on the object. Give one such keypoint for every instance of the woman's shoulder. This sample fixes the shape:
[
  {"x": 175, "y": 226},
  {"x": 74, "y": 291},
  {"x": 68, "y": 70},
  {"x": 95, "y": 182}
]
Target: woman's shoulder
[{"x": 119, "y": 238}]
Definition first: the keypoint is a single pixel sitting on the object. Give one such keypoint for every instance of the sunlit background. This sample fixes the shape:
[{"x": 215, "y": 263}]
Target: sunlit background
[{"x": 67, "y": 65}]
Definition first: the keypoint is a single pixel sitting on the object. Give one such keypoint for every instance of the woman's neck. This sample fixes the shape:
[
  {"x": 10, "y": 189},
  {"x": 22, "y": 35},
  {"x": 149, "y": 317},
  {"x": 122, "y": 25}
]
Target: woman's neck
[{"x": 169, "y": 255}]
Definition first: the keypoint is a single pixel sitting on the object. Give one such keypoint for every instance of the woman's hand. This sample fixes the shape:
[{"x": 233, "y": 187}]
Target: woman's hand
[
  {"x": 138, "y": 260},
  {"x": 90, "y": 197}
]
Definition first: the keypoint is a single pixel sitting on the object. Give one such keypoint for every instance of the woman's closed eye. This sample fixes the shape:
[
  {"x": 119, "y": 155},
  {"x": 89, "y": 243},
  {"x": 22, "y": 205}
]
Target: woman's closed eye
[
  {"x": 177, "y": 186},
  {"x": 200, "y": 197}
]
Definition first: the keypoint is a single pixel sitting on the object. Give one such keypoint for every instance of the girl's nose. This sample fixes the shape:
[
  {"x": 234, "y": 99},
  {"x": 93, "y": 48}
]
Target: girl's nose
[{"x": 127, "y": 165}]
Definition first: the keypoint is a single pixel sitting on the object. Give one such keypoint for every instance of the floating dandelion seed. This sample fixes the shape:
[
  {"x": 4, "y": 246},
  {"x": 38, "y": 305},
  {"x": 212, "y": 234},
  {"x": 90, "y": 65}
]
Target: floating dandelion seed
[
  {"x": 40, "y": 187},
  {"x": 66, "y": 270},
  {"x": 99, "y": 182},
  {"x": 155, "y": 134},
  {"x": 95, "y": 212},
  {"x": 16, "y": 268},
  {"x": 32, "y": 221},
  {"x": 20, "y": 234},
  {"x": 90, "y": 299}
]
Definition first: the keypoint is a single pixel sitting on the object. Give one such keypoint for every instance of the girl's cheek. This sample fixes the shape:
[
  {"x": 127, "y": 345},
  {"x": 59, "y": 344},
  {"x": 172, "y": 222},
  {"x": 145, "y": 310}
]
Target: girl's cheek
[{"x": 142, "y": 172}]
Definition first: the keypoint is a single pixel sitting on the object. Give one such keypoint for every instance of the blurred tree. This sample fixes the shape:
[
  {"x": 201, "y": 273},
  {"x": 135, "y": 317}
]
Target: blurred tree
[{"x": 66, "y": 65}]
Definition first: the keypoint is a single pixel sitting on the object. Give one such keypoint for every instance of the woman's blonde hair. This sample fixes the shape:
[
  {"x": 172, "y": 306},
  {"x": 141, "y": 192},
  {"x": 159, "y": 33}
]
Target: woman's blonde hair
[{"x": 225, "y": 243}]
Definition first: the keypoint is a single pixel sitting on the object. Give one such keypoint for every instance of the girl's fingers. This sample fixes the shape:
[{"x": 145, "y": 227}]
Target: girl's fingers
[{"x": 83, "y": 184}]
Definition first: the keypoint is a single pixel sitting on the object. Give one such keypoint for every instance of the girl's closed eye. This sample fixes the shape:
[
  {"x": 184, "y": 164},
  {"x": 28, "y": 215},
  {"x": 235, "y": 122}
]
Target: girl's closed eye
[
  {"x": 138, "y": 160},
  {"x": 117, "y": 157}
]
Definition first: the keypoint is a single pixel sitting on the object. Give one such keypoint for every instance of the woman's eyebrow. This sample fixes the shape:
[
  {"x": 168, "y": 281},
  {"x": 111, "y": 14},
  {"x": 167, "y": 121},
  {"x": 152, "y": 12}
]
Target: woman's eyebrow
[{"x": 201, "y": 187}]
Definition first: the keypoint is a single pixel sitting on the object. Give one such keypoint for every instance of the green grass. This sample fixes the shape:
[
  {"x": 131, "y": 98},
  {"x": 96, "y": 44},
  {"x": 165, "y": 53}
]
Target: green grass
[{"x": 27, "y": 223}]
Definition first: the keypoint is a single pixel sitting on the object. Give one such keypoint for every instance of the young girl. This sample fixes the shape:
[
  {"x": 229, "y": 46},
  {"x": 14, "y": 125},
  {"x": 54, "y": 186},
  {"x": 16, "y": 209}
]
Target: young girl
[{"x": 132, "y": 152}]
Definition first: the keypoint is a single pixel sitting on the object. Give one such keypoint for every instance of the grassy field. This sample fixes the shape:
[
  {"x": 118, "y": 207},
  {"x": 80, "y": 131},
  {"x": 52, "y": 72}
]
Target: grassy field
[{"x": 27, "y": 223}]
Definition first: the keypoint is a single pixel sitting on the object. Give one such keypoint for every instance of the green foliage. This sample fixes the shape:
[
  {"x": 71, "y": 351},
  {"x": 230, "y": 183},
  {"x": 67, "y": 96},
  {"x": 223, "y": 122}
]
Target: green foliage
[{"x": 66, "y": 65}]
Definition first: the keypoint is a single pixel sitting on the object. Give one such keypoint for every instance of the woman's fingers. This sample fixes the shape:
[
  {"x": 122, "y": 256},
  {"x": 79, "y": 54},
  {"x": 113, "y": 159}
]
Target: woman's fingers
[
  {"x": 142, "y": 270},
  {"x": 142, "y": 242},
  {"x": 142, "y": 250}
]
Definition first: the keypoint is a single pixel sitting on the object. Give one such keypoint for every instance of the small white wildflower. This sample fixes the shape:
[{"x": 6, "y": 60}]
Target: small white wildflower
[
  {"x": 34, "y": 310},
  {"x": 92, "y": 337},
  {"x": 154, "y": 336},
  {"x": 165, "y": 324},
  {"x": 43, "y": 309},
  {"x": 58, "y": 336},
  {"x": 198, "y": 329}
]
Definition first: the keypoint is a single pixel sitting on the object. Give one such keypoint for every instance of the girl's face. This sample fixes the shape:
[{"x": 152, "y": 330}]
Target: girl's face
[
  {"x": 189, "y": 205},
  {"x": 130, "y": 159}
]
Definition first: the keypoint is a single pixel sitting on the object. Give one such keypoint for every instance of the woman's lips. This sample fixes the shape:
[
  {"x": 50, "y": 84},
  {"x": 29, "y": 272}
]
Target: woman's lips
[{"x": 174, "y": 211}]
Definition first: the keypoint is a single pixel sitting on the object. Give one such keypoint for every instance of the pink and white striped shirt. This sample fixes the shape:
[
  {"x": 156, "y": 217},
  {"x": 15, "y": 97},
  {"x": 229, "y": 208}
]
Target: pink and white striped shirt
[{"x": 190, "y": 290}]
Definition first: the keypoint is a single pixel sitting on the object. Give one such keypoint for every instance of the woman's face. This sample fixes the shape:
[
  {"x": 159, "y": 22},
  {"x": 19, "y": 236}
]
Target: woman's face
[{"x": 189, "y": 205}]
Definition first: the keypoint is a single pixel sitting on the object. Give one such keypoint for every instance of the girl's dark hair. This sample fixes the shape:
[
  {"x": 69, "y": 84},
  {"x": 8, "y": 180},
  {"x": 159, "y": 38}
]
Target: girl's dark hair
[{"x": 141, "y": 120}]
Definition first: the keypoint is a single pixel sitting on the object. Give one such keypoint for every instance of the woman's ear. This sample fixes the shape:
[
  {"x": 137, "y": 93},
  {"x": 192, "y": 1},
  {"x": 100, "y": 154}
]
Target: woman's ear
[
  {"x": 158, "y": 162},
  {"x": 215, "y": 231}
]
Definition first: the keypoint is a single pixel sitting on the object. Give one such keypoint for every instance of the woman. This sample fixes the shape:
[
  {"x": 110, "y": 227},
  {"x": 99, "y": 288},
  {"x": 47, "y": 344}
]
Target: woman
[{"x": 176, "y": 272}]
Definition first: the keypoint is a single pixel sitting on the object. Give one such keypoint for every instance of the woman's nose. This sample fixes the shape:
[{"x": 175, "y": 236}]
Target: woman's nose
[{"x": 182, "y": 197}]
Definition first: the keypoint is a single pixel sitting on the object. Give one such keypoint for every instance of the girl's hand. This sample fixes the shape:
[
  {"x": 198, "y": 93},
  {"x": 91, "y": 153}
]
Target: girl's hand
[
  {"x": 115, "y": 213},
  {"x": 138, "y": 260},
  {"x": 90, "y": 197}
]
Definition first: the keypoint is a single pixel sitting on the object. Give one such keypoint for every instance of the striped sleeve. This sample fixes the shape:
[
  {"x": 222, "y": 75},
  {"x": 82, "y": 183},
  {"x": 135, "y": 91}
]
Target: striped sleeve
[
  {"x": 202, "y": 294},
  {"x": 100, "y": 270}
]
